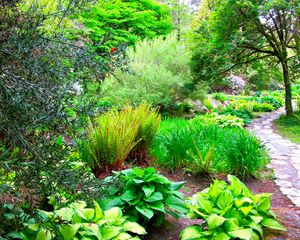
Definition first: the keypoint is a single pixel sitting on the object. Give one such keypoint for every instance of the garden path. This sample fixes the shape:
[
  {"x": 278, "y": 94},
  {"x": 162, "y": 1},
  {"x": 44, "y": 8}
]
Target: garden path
[{"x": 285, "y": 155}]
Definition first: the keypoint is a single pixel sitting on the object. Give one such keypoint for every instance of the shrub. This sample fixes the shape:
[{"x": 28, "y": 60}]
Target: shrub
[
  {"x": 116, "y": 135},
  {"x": 235, "y": 149},
  {"x": 244, "y": 114},
  {"x": 276, "y": 102},
  {"x": 243, "y": 105},
  {"x": 220, "y": 120},
  {"x": 263, "y": 107},
  {"x": 158, "y": 73},
  {"x": 230, "y": 212},
  {"x": 220, "y": 96},
  {"x": 207, "y": 103},
  {"x": 148, "y": 196},
  {"x": 78, "y": 222}
]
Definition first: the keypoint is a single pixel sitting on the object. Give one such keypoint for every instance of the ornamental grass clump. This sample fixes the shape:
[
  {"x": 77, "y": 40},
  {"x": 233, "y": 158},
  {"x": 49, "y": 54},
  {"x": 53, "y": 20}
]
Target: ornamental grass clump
[{"x": 230, "y": 212}]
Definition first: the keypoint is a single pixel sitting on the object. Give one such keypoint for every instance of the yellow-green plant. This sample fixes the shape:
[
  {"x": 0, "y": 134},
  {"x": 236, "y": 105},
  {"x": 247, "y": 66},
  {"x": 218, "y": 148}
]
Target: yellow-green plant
[
  {"x": 149, "y": 121},
  {"x": 115, "y": 136},
  {"x": 243, "y": 105},
  {"x": 110, "y": 139}
]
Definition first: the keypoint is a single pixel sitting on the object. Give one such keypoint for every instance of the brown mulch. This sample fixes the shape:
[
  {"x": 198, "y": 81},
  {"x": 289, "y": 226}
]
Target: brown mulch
[{"x": 287, "y": 213}]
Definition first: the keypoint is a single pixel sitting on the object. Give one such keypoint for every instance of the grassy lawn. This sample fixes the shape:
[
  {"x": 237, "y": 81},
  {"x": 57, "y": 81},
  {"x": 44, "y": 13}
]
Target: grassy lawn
[{"x": 289, "y": 127}]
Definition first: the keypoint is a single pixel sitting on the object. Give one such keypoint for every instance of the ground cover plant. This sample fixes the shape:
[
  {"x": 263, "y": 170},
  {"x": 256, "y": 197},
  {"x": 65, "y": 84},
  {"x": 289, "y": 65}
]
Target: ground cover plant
[
  {"x": 220, "y": 120},
  {"x": 77, "y": 221},
  {"x": 230, "y": 211},
  {"x": 146, "y": 196},
  {"x": 235, "y": 150},
  {"x": 289, "y": 127}
]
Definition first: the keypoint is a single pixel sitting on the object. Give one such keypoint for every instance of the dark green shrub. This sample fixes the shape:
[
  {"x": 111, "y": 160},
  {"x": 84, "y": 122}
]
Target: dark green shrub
[
  {"x": 230, "y": 212},
  {"x": 220, "y": 96},
  {"x": 147, "y": 196},
  {"x": 276, "y": 102}
]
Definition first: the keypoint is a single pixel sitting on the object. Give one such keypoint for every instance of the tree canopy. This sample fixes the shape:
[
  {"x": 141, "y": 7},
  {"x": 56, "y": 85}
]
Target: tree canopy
[{"x": 242, "y": 32}]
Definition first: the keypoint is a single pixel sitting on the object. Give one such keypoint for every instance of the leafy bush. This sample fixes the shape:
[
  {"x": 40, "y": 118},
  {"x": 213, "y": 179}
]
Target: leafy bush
[
  {"x": 220, "y": 120},
  {"x": 230, "y": 212},
  {"x": 276, "y": 102},
  {"x": 220, "y": 96},
  {"x": 235, "y": 150},
  {"x": 243, "y": 114},
  {"x": 263, "y": 107},
  {"x": 243, "y": 105},
  {"x": 115, "y": 135},
  {"x": 158, "y": 73},
  {"x": 78, "y": 222},
  {"x": 148, "y": 196}
]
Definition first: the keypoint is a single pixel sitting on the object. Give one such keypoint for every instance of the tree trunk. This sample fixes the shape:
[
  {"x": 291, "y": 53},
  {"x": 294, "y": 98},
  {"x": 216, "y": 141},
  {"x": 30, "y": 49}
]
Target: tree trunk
[{"x": 287, "y": 86}]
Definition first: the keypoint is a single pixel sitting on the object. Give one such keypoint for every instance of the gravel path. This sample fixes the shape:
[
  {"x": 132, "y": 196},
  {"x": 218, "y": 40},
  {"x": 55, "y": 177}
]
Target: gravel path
[{"x": 285, "y": 155}]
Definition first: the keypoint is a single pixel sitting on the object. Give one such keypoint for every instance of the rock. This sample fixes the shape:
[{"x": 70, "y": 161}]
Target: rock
[{"x": 199, "y": 107}]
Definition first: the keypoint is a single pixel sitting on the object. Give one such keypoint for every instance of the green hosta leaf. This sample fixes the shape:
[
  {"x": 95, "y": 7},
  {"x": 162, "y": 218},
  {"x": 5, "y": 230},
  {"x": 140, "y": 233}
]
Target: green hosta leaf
[
  {"x": 215, "y": 221},
  {"x": 156, "y": 196},
  {"x": 256, "y": 227},
  {"x": 264, "y": 205},
  {"x": 176, "y": 204},
  {"x": 191, "y": 232},
  {"x": 110, "y": 232},
  {"x": 148, "y": 190},
  {"x": 134, "y": 227},
  {"x": 272, "y": 223},
  {"x": 128, "y": 196},
  {"x": 225, "y": 199},
  {"x": 246, "y": 210},
  {"x": 158, "y": 205},
  {"x": 204, "y": 204},
  {"x": 148, "y": 213},
  {"x": 232, "y": 224},
  {"x": 236, "y": 186},
  {"x": 138, "y": 171},
  {"x": 43, "y": 234},
  {"x": 138, "y": 181},
  {"x": 176, "y": 186},
  {"x": 69, "y": 231},
  {"x": 65, "y": 214},
  {"x": 113, "y": 214},
  {"x": 222, "y": 236},
  {"x": 87, "y": 214},
  {"x": 245, "y": 234},
  {"x": 123, "y": 236},
  {"x": 256, "y": 219},
  {"x": 98, "y": 211},
  {"x": 240, "y": 202}
]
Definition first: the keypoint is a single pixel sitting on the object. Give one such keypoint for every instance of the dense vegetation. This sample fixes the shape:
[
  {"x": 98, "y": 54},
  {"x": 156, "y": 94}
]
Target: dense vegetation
[{"x": 94, "y": 94}]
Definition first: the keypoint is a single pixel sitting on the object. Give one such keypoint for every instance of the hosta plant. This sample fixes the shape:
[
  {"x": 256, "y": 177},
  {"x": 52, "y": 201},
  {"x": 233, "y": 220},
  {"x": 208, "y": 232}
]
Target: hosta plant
[
  {"x": 79, "y": 222},
  {"x": 230, "y": 212},
  {"x": 220, "y": 120},
  {"x": 147, "y": 196}
]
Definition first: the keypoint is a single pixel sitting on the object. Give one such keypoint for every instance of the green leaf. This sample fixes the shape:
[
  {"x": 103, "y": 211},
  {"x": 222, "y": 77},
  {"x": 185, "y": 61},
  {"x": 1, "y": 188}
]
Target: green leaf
[
  {"x": 87, "y": 214},
  {"x": 128, "y": 196},
  {"x": 110, "y": 232},
  {"x": 158, "y": 205},
  {"x": 245, "y": 234},
  {"x": 148, "y": 190},
  {"x": 256, "y": 219},
  {"x": 156, "y": 196},
  {"x": 175, "y": 186},
  {"x": 113, "y": 214},
  {"x": 98, "y": 211},
  {"x": 265, "y": 204},
  {"x": 236, "y": 185},
  {"x": 225, "y": 199},
  {"x": 65, "y": 214},
  {"x": 246, "y": 210},
  {"x": 69, "y": 231},
  {"x": 232, "y": 224},
  {"x": 176, "y": 204},
  {"x": 148, "y": 213},
  {"x": 222, "y": 236},
  {"x": 215, "y": 221},
  {"x": 134, "y": 227},
  {"x": 272, "y": 223},
  {"x": 43, "y": 234},
  {"x": 204, "y": 204},
  {"x": 191, "y": 232}
]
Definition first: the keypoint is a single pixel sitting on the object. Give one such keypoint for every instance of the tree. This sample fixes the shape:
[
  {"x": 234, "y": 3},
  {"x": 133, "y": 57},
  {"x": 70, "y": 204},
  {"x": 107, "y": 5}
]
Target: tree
[
  {"x": 242, "y": 32},
  {"x": 125, "y": 21}
]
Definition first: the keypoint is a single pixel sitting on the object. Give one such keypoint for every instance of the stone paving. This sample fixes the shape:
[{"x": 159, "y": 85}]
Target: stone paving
[{"x": 285, "y": 155}]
